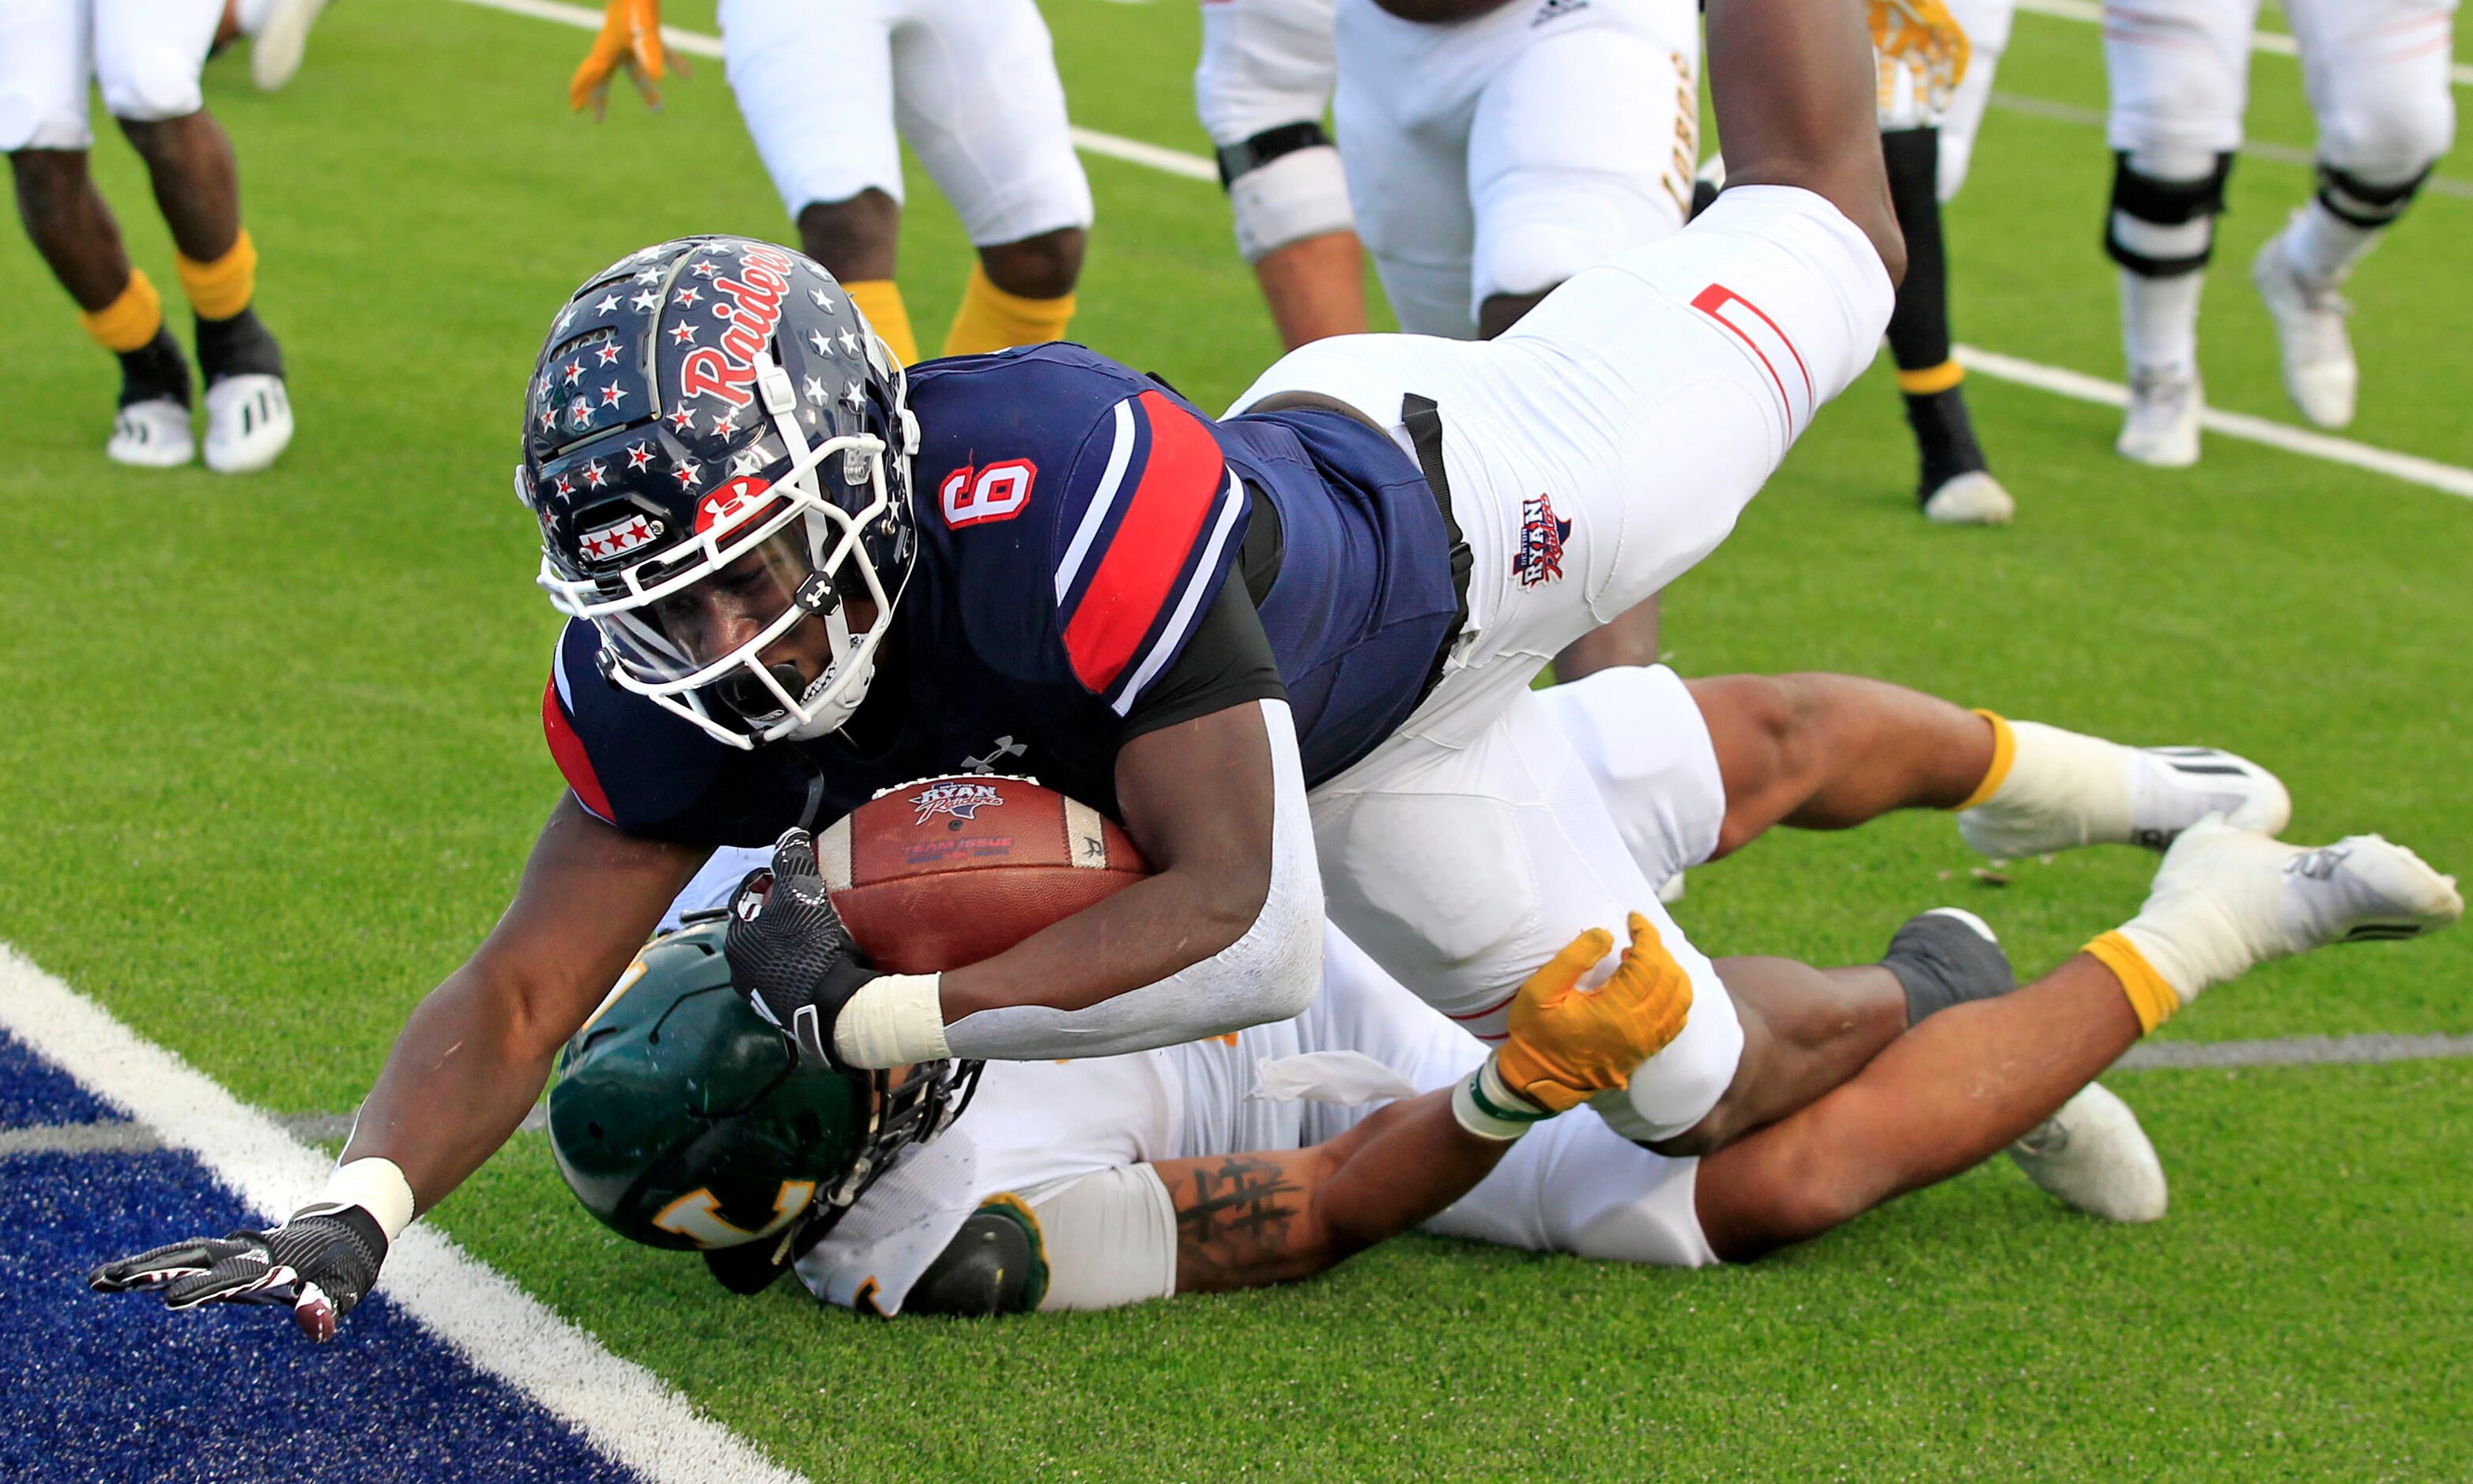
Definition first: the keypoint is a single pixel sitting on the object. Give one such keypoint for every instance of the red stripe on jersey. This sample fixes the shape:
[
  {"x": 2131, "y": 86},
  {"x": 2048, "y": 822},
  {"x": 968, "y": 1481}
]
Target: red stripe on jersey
[
  {"x": 1136, "y": 581},
  {"x": 567, "y": 749}
]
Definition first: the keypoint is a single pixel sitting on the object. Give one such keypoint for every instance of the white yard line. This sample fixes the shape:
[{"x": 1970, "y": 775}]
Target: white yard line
[
  {"x": 2275, "y": 42},
  {"x": 2082, "y": 388},
  {"x": 621, "y": 1408},
  {"x": 2050, "y": 378}
]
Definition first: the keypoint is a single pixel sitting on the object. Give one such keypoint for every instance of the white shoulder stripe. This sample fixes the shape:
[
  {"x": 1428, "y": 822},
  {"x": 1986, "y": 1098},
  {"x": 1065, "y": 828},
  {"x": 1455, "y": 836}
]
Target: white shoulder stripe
[
  {"x": 1199, "y": 587},
  {"x": 558, "y": 672},
  {"x": 1096, "y": 515}
]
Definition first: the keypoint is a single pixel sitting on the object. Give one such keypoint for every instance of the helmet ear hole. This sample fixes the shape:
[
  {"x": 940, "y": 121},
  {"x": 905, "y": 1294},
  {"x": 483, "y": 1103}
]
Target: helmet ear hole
[
  {"x": 811, "y": 1128},
  {"x": 594, "y": 1130}
]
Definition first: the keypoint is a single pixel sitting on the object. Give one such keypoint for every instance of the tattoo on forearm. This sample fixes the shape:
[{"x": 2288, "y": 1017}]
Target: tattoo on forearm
[{"x": 1236, "y": 1215}]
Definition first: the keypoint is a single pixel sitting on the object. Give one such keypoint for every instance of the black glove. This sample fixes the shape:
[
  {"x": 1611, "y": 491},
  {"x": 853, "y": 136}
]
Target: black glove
[
  {"x": 788, "y": 952},
  {"x": 322, "y": 1262}
]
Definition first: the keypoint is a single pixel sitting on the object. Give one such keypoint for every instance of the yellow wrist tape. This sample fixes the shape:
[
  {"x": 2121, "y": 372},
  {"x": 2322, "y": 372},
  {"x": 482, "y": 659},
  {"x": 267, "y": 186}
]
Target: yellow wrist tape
[
  {"x": 128, "y": 321},
  {"x": 2153, "y": 999},
  {"x": 880, "y": 300},
  {"x": 223, "y": 288},
  {"x": 2005, "y": 752},
  {"x": 991, "y": 319}
]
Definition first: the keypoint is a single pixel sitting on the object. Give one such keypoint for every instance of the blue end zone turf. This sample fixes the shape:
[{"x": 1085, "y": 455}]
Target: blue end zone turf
[
  {"x": 33, "y": 1090},
  {"x": 120, "y": 1389}
]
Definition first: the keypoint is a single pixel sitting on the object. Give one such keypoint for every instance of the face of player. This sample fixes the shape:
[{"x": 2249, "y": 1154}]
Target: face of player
[{"x": 729, "y": 609}]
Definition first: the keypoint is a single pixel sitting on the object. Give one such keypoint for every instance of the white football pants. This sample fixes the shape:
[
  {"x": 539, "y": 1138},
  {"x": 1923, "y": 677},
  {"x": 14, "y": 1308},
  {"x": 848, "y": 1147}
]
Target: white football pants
[
  {"x": 1595, "y": 453},
  {"x": 1502, "y": 155},
  {"x": 2376, "y": 72},
  {"x": 145, "y": 54},
  {"x": 830, "y": 87}
]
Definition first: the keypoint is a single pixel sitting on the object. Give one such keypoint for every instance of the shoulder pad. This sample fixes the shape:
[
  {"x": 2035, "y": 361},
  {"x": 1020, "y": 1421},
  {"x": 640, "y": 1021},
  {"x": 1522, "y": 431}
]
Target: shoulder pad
[{"x": 994, "y": 1265}]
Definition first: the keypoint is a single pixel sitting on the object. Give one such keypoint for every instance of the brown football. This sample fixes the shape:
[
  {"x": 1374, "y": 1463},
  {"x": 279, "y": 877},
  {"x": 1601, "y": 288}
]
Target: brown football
[{"x": 946, "y": 871}]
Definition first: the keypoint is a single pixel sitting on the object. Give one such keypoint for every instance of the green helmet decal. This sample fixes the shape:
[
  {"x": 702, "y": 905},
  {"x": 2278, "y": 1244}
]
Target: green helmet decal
[{"x": 681, "y": 1119}]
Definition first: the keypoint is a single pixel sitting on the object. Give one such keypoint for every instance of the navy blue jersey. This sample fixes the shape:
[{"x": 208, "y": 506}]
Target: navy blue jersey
[{"x": 1075, "y": 519}]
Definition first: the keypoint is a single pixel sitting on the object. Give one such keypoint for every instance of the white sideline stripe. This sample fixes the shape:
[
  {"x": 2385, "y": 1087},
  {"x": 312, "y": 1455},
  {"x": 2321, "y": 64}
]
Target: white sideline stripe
[
  {"x": 2080, "y": 386},
  {"x": 621, "y": 1408},
  {"x": 2275, "y": 42},
  {"x": 2049, "y": 378}
]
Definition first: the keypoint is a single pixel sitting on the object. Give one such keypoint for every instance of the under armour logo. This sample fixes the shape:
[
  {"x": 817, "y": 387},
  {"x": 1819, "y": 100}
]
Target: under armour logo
[{"x": 1005, "y": 746}]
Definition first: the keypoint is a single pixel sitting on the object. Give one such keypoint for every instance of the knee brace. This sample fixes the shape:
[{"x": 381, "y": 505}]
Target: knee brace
[
  {"x": 2162, "y": 228},
  {"x": 1285, "y": 185},
  {"x": 2367, "y": 204}
]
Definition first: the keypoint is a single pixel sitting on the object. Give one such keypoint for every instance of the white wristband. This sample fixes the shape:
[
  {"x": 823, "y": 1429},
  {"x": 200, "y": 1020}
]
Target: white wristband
[
  {"x": 893, "y": 1022},
  {"x": 1490, "y": 1109},
  {"x": 374, "y": 1185}
]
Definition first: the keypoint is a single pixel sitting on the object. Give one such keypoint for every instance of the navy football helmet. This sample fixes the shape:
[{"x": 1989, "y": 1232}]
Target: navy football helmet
[{"x": 718, "y": 448}]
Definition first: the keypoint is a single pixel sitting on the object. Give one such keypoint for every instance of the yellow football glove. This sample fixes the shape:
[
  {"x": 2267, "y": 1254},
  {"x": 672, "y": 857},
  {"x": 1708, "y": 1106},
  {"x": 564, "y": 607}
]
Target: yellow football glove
[
  {"x": 631, "y": 38},
  {"x": 1921, "y": 39},
  {"x": 1568, "y": 1044}
]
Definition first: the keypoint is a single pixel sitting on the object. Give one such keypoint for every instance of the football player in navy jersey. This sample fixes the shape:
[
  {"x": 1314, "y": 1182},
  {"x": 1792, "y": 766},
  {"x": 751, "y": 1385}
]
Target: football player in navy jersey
[{"x": 1290, "y": 650}]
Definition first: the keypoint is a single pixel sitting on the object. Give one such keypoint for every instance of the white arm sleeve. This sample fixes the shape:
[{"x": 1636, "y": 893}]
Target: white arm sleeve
[
  {"x": 1109, "y": 1239},
  {"x": 1269, "y": 974}
]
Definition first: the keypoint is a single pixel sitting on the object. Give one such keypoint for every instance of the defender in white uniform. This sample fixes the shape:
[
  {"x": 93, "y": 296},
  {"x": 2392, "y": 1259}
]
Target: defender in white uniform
[
  {"x": 1262, "y": 1156},
  {"x": 145, "y": 55},
  {"x": 2377, "y": 73}
]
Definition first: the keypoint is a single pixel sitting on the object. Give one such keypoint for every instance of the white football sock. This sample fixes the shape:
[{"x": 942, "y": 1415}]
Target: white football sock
[
  {"x": 2323, "y": 247},
  {"x": 2159, "y": 322}
]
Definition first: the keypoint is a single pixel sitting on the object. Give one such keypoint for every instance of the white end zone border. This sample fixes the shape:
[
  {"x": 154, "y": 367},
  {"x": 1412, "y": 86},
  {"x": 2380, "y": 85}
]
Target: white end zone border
[{"x": 622, "y": 1409}]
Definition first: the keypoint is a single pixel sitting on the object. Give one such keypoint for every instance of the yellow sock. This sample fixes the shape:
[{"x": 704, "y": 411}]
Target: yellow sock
[
  {"x": 128, "y": 321},
  {"x": 991, "y": 319},
  {"x": 223, "y": 288},
  {"x": 2005, "y": 752},
  {"x": 1931, "y": 378},
  {"x": 2153, "y": 999},
  {"x": 880, "y": 300}
]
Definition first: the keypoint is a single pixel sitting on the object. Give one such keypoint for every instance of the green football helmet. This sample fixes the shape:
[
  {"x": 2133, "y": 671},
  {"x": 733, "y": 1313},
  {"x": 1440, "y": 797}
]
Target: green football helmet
[{"x": 682, "y": 1120}]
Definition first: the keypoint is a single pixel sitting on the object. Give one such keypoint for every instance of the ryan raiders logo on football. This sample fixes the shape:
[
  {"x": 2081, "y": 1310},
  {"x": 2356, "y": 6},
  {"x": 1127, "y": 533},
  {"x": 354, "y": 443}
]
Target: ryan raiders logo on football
[{"x": 957, "y": 801}]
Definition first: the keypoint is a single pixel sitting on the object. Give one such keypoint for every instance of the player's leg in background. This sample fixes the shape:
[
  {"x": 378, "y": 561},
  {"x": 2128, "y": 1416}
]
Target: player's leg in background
[
  {"x": 147, "y": 58},
  {"x": 2179, "y": 76},
  {"x": 278, "y": 35},
  {"x": 1739, "y": 754},
  {"x": 1987, "y": 25},
  {"x": 1261, "y": 89},
  {"x": 976, "y": 94},
  {"x": 1401, "y": 111},
  {"x": 831, "y": 152},
  {"x": 1559, "y": 183},
  {"x": 1955, "y": 483},
  {"x": 2378, "y": 78},
  {"x": 46, "y": 58}
]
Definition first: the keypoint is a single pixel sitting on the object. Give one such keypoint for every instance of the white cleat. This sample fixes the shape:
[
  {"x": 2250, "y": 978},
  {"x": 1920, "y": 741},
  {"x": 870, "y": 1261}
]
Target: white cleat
[
  {"x": 2092, "y": 1156},
  {"x": 1970, "y": 499},
  {"x": 2068, "y": 789},
  {"x": 2227, "y": 901},
  {"x": 274, "y": 53},
  {"x": 2319, "y": 372},
  {"x": 248, "y": 423},
  {"x": 152, "y": 434},
  {"x": 2161, "y": 428}
]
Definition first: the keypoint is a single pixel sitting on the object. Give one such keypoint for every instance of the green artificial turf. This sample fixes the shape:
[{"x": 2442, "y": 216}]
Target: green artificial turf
[{"x": 270, "y": 755}]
